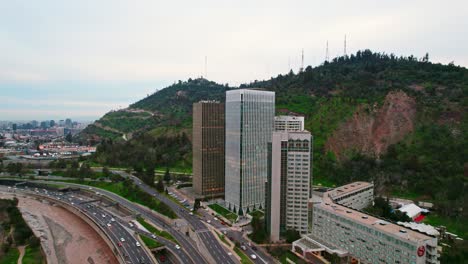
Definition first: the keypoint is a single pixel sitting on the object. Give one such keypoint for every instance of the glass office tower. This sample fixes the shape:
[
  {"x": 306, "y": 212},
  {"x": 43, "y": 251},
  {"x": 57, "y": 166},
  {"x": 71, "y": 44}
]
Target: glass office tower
[{"x": 249, "y": 125}]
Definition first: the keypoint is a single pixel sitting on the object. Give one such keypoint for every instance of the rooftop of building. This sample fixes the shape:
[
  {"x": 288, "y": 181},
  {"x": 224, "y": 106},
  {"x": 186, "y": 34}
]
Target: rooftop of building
[
  {"x": 371, "y": 221},
  {"x": 289, "y": 117},
  {"x": 349, "y": 188},
  {"x": 208, "y": 102}
]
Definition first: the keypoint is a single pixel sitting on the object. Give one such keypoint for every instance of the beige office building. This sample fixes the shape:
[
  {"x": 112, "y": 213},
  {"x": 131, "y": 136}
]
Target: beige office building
[{"x": 208, "y": 148}]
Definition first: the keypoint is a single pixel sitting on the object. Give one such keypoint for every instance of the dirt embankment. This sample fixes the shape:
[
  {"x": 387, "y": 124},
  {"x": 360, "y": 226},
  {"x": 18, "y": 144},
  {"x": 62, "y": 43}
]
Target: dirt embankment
[
  {"x": 65, "y": 237},
  {"x": 371, "y": 129}
]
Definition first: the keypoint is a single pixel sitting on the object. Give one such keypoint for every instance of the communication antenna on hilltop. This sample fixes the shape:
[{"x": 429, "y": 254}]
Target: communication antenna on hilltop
[
  {"x": 326, "y": 53},
  {"x": 206, "y": 67},
  {"x": 302, "y": 61},
  {"x": 345, "y": 45}
]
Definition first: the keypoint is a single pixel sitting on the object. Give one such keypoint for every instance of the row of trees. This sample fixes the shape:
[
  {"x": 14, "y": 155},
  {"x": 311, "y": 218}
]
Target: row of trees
[
  {"x": 134, "y": 193},
  {"x": 13, "y": 168},
  {"x": 144, "y": 151},
  {"x": 22, "y": 233}
]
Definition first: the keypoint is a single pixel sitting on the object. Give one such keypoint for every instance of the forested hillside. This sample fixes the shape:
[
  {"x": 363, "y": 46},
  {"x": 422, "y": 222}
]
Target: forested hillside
[{"x": 399, "y": 121}]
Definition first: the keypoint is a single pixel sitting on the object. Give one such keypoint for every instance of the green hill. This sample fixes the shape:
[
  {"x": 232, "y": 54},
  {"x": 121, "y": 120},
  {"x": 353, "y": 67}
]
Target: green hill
[
  {"x": 170, "y": 107},
  {"x": 399, "y": 121}
]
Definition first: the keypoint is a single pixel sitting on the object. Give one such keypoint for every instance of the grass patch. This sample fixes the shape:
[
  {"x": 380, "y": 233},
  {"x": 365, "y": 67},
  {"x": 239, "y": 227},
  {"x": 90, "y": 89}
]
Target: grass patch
[
  {"x": 223, "y": 238},
  {"x": 320, "y": 181},
  {"x": 150, "y": 243},
  {"x": 33, "y": 255},
  {"x": 257, "y": 213},
  {"x": 156, "y": 231},
  {"x": 132, "y": 193},
  {"x": 289, "y": 255},
  {"x": 224, "y": 212},
  {"x": 11, "y": 257},
  {"x": 244, "y": 258},
  {"x": 454, "y": 225},
  {"x": 406, "y": 194}
]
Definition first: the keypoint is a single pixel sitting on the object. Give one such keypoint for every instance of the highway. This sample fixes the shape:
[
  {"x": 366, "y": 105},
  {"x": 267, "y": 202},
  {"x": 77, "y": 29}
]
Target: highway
[
  {"x": 236, "y": 236},
  {"x": 121, "y": 236},
  {"x": 191, "y": 254},
  {"x": 218, "y": 252}
]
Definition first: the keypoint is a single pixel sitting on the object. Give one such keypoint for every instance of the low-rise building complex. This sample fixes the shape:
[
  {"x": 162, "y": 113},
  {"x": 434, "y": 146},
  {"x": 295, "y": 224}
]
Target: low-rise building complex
[{"x": 357, "y": 237}]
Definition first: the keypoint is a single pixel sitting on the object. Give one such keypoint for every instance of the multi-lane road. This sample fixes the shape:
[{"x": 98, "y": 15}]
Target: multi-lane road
[
  {"x": 191, "y": 254},
  {"x": 237, "y": 236},
  {"x": 188, "y": 253},
  {"x": 217, "y": 251},
  {"x": 126, "y": 243}
]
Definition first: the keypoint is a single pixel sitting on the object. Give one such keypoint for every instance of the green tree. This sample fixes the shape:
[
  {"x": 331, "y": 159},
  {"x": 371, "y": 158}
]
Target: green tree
[
  {"x": 69, "y": 137},
  {"x": 160, "y": 186},
  {"x": 85, "y": 171},
  {"x": 291, "y": 235},
  {"x": 167, "y": 176},
  {"x": 106, "y": 172},
  {"x": 15, "y": 168},
  {"x": 75, "y": 164},
  {"x": 196, "y": 204},
  {"x": 148, "y": 177},
  {"x": 259, "y": 234}
]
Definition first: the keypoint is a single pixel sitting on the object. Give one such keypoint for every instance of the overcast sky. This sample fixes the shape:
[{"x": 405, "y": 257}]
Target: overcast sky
[{"x": 83, "y": 58}]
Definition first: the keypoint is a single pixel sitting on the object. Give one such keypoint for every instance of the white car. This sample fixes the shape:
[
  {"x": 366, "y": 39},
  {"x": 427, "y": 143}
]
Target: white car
[
  {"x": 138, "y": 244},
  {"x": 112, "y": 220},
  {"x": 177, "y": 246},
  {"x": 216, "y": 218},
  {"x": 208, "y": 221},
  {"x": 253, "y": 256},
  {"x": 153, "y": 236},
  {"x": 103, "y": 216},
  {"x": 122, "y": 239},
  {"x": 191, "y": 213},
  {"x": 108, "y": 224}
]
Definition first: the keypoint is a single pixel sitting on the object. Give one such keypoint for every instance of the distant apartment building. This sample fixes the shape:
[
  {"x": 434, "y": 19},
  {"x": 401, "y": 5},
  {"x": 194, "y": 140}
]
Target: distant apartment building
[
  {"x": 288, "y": 183},
  {"x": 249, "y": 126},
  {"x": 356, "y": 195},
  {"x": 208, "y": 148},
  {"x": 356, "y": 237},
  {"x": 289, "y": 123}
]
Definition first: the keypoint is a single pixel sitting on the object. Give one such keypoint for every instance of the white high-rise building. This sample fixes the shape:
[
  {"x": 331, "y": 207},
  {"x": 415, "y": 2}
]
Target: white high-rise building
[
  {"x": 289, "y": 180},
  {"x": 249, "y": 126},
  {"x": 289, "y": 123}
]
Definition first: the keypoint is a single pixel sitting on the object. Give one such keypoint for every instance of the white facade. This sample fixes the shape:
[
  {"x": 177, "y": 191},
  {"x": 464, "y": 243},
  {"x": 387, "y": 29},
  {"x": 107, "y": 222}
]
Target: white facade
[
  {"x": 249, "y": 127},
  {"x": 290, "y": 183},
  {"x": 289, "y": 123}
]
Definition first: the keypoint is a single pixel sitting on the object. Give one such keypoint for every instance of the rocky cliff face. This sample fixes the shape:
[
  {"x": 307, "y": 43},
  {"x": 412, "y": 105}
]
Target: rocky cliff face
[{"x": 372, "y": 129}]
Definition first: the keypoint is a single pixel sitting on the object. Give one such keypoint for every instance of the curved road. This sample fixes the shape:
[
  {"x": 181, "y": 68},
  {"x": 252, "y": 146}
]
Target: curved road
[
  {"x": 191, "y": 256},
  {"x": 115, "y": 231},
  {"x": 218, "y": 252}
]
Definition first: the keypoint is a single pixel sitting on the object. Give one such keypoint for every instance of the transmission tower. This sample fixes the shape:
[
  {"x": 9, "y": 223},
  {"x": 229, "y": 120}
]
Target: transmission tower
[
  {"x": 326, "y": 53},
  {"x": 345, "y": 46},
  {"x": 302, "y": 62},
  {"x": 206, "y": 67}
]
